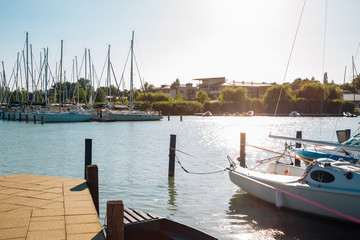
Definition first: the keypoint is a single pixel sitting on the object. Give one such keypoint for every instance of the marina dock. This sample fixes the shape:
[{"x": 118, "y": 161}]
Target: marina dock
[{"x": 43, "y": 207}]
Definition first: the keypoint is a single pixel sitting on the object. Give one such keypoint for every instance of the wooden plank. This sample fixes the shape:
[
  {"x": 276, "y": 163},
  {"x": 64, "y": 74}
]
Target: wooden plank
[
  {"x": 129, "y": 218},
  {"x": 141, "y": 214}
]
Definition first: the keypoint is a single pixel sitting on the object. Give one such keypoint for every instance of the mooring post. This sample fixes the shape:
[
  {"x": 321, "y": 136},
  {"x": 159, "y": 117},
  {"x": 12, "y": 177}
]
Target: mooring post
[
  {"x": 26, "y": 118},
  {"x": 115, "y": 220},
  {"x": 14, "y": 116},
  {"x": 42, "y": 119},
  {"x": 242, "y": 149},
  {"x": 180, "y": 117},
  {"x": 88, "y": 152},
  {"x": 20, "y": 116},
  {"x": 172, "y": 155},
  {"x": 34, "y": 118},
  {"x": 298, "y": 145},
  {"x": 9, "y": 118},
  {"x": 92, "y": 179},
  {"x": 168, "y": 117}
]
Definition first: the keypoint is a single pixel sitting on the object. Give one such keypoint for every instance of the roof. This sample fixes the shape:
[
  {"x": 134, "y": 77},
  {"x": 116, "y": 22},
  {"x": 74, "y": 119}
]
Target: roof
[{"x": 350, "y": 97}]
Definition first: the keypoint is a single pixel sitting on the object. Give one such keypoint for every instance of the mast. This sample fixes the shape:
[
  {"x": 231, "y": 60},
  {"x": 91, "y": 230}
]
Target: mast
[
  {"x": 108, "y": 82},
  {"x": 131, "y": 73},
  {"x": 60, "y": 69},
  {"x": 27, "y": 66},
  {"x": 90, "y": 79},
  {"x": 46, "y": 75},
  {"x": 85, "y": 77}
]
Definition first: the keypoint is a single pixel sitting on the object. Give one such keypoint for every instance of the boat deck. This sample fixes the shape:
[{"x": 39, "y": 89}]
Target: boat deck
[{"x": 43, "y": 207}]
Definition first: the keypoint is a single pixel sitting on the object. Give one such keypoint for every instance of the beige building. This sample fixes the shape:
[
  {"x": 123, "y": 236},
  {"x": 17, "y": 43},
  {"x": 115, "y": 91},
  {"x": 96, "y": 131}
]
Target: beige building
[
  {"x": 213, "y": 86},
  {"x": 188, "y": 91}
]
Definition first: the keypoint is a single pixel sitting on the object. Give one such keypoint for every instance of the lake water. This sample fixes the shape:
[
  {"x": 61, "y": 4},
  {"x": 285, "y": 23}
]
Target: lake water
[{"x": 133, "y": 166}]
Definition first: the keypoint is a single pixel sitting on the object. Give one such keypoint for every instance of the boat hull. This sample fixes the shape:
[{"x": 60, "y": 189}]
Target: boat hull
[
  {"x": 59, "y": 117},
  {"x": 257, "y": 184}
]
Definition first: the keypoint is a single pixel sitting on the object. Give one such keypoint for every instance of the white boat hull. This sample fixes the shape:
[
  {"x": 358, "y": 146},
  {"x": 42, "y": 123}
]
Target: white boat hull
[
  {"x": 334, "y": 202},
  {"x": 58, "y": 117}
]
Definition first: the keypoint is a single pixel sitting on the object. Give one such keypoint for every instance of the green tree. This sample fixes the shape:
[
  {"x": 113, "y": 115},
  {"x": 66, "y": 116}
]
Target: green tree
[
  {"x": 311, "y": 90},
  {"x": 274, "y": 101},
  {"x": 100, "y": 95},
  {"x": 202, "y": 97},
  {"x": 179, "y": 97}
]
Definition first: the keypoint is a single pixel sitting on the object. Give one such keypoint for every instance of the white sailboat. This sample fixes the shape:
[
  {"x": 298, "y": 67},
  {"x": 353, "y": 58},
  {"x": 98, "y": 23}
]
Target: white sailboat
[
  {"x": 59, "y": 116},
  {"x": 326, "y": 187},
  {"x": 131, "y": 114}
]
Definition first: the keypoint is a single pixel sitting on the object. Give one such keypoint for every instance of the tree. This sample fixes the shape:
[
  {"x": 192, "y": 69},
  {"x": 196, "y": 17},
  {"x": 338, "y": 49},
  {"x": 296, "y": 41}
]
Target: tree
[
  {"x": 179, "y": 97},
  {"x": 233, "y": 95},
  {"x": 100, "y": 95},
  {"x": 202, "y": 97},
  {"x": 311, "y": 90}
]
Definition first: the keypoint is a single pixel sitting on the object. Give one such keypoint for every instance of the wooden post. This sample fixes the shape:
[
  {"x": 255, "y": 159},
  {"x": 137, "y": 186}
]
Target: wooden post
[
  {"x": 180, "y": 117},
  {"x": 242, "y": 149},
  {"x": 298, "y": 145},
  {"x": 9, "y": 118},
  {"x": 172, "y": 155},
  {"x": 42, "y": 119},
  {"x": 92, "y": 179},
  {"x": 26, "y": 118},
  {"x": 20, "y": 116},
  {"x": 115, "y": 220},
  {"x": 88, "y": 152},
  {"x": 168, "y": 117},
  {"x": 34, "y": 118},
  {"x": 14, "y": 116}
]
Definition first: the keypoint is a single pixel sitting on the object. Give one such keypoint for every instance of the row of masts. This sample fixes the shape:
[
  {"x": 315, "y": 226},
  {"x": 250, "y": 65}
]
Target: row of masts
[{"x": 36, "y": 87}]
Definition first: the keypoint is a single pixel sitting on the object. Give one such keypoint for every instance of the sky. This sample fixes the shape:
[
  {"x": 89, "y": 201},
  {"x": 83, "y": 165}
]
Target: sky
[{"x": 241, "y": 40}]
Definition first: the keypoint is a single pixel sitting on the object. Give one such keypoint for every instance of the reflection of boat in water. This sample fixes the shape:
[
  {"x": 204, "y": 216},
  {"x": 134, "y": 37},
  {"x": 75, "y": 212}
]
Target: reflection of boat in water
[
  {"x": 263, "y": 220},
  {"x": 207, "y": 114},
  {"x": 326, "y": 187}
]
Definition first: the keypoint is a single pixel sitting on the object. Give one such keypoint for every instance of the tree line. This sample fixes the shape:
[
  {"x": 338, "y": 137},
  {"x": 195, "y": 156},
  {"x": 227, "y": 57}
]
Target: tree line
[{"x": 303, "y": 95}]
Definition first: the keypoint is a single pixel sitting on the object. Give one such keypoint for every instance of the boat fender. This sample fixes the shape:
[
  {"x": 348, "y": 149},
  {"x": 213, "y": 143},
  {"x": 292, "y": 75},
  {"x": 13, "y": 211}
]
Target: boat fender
[
  {"x": 349, "y": 175},
  {"x": 278, "y": 199},
  {"x": 286, "y": 172}
]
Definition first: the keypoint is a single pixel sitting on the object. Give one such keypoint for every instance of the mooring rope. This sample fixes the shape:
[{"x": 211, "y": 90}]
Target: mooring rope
[{"x": 199, "y": 173}]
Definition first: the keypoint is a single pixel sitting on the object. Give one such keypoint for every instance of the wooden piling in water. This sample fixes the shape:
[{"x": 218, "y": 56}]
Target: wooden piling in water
[
  {"x": 42, "y": 119},
  {"x": 14, "y": 116},
  {"x": 180, "y": 117},
  {"x": 242, "y": 149},
  {"x": 20, "y": 117},
  {"x": 92, "y": 179},
  {"x": 26, "y": 118},
  {"x": 115, "y": 220},
  {"x": 9, "y": 118},
  {"x": 34, "y": 118},
  {"x": 298, "y": 145},
  {"x": 169, "y": 117},
  {"x": 172, "y": 155},
  {"x": 88, "y": 153}
]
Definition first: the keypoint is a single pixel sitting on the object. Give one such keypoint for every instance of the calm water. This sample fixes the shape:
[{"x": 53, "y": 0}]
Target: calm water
[{"x": 133, "y": 162}]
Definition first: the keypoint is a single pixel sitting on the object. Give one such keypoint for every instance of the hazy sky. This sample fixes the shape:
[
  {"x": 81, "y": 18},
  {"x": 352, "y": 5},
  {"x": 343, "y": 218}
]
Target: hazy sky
[{"x": 187, "y": 39}]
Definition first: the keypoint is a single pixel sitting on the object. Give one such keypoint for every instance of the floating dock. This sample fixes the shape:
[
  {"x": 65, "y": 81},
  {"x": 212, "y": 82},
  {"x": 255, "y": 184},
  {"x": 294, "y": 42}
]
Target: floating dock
[{"x": 43, "y": 207}]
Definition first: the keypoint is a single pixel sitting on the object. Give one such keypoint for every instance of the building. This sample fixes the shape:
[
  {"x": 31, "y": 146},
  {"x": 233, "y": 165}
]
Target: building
[
  {"x": 213, "y": 86},
  {"x": 188, "y": 91}
]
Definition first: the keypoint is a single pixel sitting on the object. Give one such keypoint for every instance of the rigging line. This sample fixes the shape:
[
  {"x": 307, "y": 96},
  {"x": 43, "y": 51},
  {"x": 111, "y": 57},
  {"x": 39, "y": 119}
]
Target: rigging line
[
  {"x": 288, "y": 63},
  {"x": 137, "y": 67},
  {"x": 302, "y": 159},
  {"x": 323, "y": 69},
  {"x": 117, "y": 85}
]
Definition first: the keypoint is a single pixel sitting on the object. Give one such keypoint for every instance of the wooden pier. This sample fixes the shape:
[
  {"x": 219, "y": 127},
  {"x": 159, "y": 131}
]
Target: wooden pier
[{"x": 43, "y": 207}]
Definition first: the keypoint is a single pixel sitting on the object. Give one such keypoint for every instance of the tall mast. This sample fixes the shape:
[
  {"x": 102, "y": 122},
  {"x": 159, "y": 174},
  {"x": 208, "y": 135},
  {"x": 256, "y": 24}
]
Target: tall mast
[
  {"x": 27, "y": 66},
  {"x": 46, "y": 74},
  {"x": 108, "y": 82},
  {"x": 131, "y": 73},
  {"x": 90, "y": 79},
  {"x": 85, "y": 77},
  {"x": 60, "y": 69}
]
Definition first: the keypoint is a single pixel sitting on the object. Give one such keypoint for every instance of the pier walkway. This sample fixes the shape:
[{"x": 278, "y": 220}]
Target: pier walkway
[{"x": 43, "y": 207}]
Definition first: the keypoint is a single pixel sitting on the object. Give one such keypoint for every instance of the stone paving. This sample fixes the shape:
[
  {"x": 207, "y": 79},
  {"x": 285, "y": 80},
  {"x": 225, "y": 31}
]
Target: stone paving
[{"x": 34, "y": 207}]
